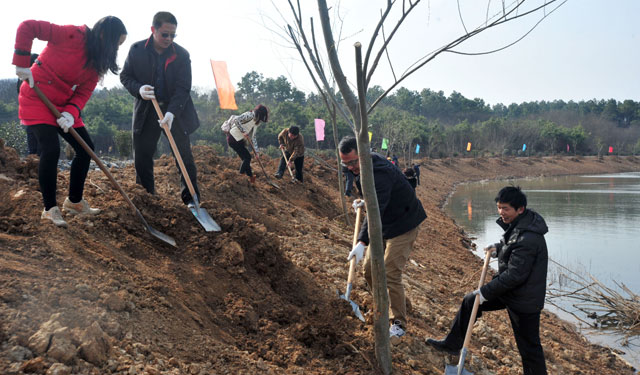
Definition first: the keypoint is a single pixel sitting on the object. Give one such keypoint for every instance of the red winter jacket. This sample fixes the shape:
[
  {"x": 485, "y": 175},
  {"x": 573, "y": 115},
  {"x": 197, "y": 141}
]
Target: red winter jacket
[{"x": 60, "y": 72}]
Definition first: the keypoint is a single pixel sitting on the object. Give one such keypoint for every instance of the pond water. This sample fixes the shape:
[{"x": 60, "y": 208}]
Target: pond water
[{"x": 594, "y": 229}]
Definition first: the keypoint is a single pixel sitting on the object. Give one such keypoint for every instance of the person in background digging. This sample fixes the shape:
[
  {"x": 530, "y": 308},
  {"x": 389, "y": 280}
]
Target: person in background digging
[
  {"x": 411, "y": 177},
  {"x": 292, "y": 142},
  {"x": 401, "y": 213},
  {"x": 241, "y": 128},
  {"x": 158, "y": 68},
  {"x": 416, "y": 169},
  {"x": 519, "y": 286},
  {"x": 67, "y": 71}
]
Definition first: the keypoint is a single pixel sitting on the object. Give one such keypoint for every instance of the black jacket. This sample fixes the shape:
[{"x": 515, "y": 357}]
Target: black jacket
[
  {"x": 400, "y": 209},
  {"x": 139, "y": 69},
  {"x": 522, "y": 264}
]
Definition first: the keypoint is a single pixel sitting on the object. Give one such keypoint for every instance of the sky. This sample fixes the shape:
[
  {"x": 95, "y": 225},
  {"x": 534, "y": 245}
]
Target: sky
[{"x": 586, "y": 49}]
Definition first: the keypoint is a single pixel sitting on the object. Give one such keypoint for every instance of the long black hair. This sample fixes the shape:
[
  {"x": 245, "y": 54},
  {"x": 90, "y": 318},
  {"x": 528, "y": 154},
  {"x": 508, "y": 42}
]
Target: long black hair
[{"x": 102, "y": 44}]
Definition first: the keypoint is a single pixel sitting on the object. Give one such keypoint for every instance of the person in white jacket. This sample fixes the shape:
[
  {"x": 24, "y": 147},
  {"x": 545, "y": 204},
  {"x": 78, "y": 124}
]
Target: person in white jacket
[{"x": 241, "y": 128}]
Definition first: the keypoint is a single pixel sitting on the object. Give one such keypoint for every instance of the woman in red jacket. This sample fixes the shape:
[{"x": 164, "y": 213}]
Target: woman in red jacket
[{"x": 67, "y": 71}]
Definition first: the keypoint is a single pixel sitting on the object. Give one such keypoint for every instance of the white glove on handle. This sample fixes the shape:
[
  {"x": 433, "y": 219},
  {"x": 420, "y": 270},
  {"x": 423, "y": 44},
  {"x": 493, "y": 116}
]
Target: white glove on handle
[
  {"x": 25, "y": 74},
  {"x": 477, "y": 292},
  {"x": 168, "y": 119},
  {"x": 146, "y": 92},
  {"x": 65, "y": 121},
  {"x": 358, "y": 252},
  {"x": 357, "y": 203}
]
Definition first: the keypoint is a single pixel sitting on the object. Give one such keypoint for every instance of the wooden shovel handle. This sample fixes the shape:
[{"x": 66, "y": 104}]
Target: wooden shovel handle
[
  {"x": 174, "y": 147},
  {"x": 356, "y": 231},
  {"x": 287, "y": 161},
  {"x": 476, "y": 303}
]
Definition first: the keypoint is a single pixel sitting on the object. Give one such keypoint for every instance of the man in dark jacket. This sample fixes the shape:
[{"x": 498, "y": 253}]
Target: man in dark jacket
[
  {"x": 520, "y": 285},
  {"x": 401, "y": 213},
  {"x": 157, "y": 68}
]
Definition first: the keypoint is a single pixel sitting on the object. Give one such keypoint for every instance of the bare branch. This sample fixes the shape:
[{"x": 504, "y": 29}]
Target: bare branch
[{"x": 462, "y": 19}]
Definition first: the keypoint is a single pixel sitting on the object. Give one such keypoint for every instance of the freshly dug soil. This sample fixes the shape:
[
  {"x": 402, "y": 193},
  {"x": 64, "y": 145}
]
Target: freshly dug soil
[{"x": 259, "y": 297}]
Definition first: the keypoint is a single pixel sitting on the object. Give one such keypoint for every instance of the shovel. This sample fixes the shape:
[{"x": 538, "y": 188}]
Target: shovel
[
  {"x": 159, "y": 235},
  {"x": 260, "y": 162},
  {"x": 200, "y": 213},
  {"x": 288, "y": 167},
  {"x": 459, "y": 369},
  {"x": 352, "y": 271}
]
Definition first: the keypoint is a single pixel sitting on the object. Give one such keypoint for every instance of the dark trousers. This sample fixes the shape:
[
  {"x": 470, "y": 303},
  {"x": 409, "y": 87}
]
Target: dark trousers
[
  {"x": 245, "y": 155},
  {"x": 526, "y": 329},
  {"x": 32, "y": 142},
  {"x": 145, "y": 144},
  {"x": 47, "y": 136},
  {"x": 297, "y": 162}
]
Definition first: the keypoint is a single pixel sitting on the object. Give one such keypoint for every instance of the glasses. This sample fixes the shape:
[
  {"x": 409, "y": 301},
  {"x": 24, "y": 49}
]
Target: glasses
[
  {"x": 350, "y": 163},
  {"x": 167, "y": 35}
]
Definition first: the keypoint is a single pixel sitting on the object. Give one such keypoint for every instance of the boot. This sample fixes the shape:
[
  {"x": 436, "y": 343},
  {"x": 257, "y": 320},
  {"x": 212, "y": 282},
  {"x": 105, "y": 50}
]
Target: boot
[
  {"x": 55, "y": 216},
  {"x": 81, "y": 207}
]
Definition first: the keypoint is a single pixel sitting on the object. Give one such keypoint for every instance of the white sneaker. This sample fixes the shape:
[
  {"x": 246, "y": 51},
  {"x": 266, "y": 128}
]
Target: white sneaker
[
  {"x": 81, "y": 207},
  {"x": 55, "y": 216},
  {"x": 396, "y": 331}
]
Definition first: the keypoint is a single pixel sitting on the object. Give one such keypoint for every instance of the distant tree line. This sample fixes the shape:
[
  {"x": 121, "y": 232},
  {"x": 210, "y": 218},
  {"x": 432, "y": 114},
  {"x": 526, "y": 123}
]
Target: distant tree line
[{"x": 442, "y": 126}]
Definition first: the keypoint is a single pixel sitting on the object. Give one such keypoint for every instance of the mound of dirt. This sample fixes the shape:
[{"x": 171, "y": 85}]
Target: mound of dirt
[{"x": 103, "y": 296}]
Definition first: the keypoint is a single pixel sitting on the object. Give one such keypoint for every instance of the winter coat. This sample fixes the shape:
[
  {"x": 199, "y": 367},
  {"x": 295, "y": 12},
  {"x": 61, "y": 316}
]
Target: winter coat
[
  {"x": 59, "y": 71},
  {"x": 400, "y": 209},
  {"x": 522, "y": 264},
  {"x": 295, "y": 147},
  {"x": 140, "y": 69},
  {"x": 239, "y": 126}
]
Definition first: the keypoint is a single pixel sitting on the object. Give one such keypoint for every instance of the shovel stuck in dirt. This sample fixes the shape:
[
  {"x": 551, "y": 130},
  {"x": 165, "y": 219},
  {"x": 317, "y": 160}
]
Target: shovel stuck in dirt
[
  {"x": 200, "y": 213},
  {"x": 260, "y": 162},
  {"x": 288, "y": 167},
  {"x": 352, "y": 270},
  {"x": 459, "y": 369},
  {"x": 159, "y": 235}
]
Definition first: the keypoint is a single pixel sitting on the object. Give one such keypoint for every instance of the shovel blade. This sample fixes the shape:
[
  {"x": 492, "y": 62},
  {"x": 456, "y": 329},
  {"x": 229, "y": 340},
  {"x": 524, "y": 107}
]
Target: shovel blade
[
  {"x": 154, "y": 232},
  {"x": 204, "y": 219},
  {"x": 354, "y": 306},
  {"x": 454, "y": 370}
]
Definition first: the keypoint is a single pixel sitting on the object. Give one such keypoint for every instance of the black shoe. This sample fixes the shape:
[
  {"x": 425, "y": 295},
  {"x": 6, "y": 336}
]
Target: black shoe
[
  {"x": 278, "y": 176},
  {"x": 442, "y": 346}
]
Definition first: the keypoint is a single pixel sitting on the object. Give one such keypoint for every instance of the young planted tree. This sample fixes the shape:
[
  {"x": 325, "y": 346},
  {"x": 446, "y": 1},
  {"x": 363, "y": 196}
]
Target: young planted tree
[{"x": 354, "y": 108}]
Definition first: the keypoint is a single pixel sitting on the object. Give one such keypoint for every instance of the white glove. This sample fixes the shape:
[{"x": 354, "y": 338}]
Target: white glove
[
  {"x": 25, "y": 74},
  {"x": 146, "y": 92},
  {"x": 492, "y": 248},
  {"x": 477, "y": 292},
  {"x": 168, "y": 119},
  {"x": 357, "y": 203},
  {"x": 65, "y": 121},
  {"x": 357, "y": 251}
]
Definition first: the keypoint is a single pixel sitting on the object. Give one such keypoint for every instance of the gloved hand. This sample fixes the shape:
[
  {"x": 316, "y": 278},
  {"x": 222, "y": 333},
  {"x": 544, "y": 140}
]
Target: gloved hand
[
  {"x": 477, "y": 292},
  {"x": 146, "y": 92},
  {"x": 357, "y": 203},
  {"x": 65, "y": 121},
  {"x": 494, "y": 251},
  {"x": 25, "y": 74},
  {"x": 168, "y": 119},
  {"x": 357, "y": 251}
]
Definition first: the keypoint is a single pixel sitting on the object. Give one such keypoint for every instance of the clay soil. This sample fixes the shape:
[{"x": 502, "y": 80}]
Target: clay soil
[{"x": 259, "y": 297}]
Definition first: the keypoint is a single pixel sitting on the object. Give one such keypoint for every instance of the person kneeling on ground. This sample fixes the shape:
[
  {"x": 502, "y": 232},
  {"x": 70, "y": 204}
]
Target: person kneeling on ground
[
  {"x": 520, "y": 285},
  {"x": 401, "y": 213},
  {"x": 292, "y": 142}
]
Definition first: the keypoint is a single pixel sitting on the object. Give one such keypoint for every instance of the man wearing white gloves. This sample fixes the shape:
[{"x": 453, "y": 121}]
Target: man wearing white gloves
[
  {"x": 520, "y": 285},
  {"x": 401, "y": 213},
  {"x": 157, "y": 68}
]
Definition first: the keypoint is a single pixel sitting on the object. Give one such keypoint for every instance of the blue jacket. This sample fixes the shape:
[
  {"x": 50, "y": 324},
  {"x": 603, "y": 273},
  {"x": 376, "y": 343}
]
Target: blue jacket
[{"x": 400, "y": 209}]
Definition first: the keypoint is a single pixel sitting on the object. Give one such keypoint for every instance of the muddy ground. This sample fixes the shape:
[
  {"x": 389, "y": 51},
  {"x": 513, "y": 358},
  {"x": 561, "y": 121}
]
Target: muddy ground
[{"x": 104, "y": 297}]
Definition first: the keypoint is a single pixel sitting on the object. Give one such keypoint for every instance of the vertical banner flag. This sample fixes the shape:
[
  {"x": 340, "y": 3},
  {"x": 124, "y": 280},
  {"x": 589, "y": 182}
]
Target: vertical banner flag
[
  {"x": 370, "y": 135},
  {"x": 319, "y": 123},
  {"x": 417, "y": 149},
  {"x": 385, "y": 143},
  {"x": 567, "y": 147},
  {"x": 226, "y": 94},
  {"x": 611, "y": 149},
  {"x": 524, "y": 147},
  {"x": 468, "y": 146}
]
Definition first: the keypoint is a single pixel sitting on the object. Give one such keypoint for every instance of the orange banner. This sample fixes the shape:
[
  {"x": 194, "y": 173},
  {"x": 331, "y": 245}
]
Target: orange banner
[{"x": 226, "y": 93}]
